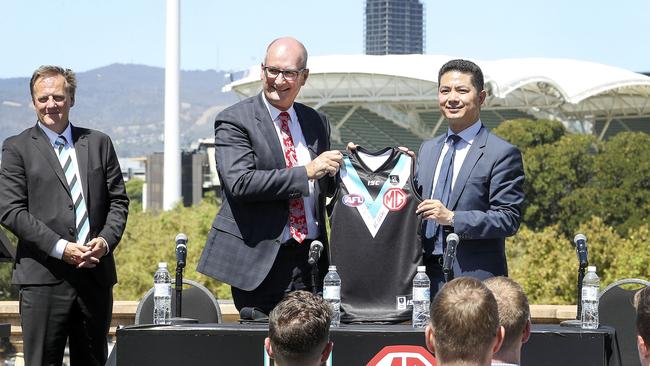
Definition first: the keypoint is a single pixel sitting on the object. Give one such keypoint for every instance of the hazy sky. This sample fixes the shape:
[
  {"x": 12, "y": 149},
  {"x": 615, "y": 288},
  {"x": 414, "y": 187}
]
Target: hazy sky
[{"x": 232, "y": 34}]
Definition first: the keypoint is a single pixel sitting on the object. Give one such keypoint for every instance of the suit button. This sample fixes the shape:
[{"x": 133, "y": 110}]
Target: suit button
[
  {"x": 277, "y": 241},
  {"x": 71, "y": 230},
  {"x": 70, "y": 207}
]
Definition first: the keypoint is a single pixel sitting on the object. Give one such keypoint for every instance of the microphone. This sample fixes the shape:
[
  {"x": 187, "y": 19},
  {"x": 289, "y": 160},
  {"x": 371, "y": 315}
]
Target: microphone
[
  {"x": 581, "y": 249},
  {"x": 181, "y": 249},
  {"x": 252, "y": 314},
  {"x": 315, "y": 249},
  {"x": 450, "y": 252}
]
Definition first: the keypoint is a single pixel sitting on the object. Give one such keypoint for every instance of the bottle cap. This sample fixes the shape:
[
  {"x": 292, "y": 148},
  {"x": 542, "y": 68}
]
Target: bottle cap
[
  {"x": 591, "y": 269},
  {"x": 331, "y": 268},
  {"x": 162, "y": 264},
  {"x": 422, "y": 268}
]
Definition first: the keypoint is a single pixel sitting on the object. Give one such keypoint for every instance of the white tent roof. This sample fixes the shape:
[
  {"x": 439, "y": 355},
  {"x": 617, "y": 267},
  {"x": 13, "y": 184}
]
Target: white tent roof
[{"x": 564, "y": 89}]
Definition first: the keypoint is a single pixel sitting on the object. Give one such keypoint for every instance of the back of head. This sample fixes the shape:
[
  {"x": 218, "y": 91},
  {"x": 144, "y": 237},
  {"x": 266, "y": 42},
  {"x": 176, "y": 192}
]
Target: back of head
[
  {"x": 465, "y": 67},
  {"x": 465, "y": 322},
  {"x": 643, "y": 314},
  {"x": 299, "y": 329},
  {"x": 514, "y": 311}
]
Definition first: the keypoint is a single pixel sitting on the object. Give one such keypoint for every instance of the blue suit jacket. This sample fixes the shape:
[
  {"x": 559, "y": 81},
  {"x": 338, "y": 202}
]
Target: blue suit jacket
[
  {"x": 486, "y": 200},
  {"x": 256, "y": 187}
]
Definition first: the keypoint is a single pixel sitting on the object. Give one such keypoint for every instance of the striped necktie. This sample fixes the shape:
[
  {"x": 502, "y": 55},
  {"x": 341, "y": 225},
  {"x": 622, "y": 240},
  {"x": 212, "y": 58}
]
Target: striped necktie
[{"x": 81, "y": 213}]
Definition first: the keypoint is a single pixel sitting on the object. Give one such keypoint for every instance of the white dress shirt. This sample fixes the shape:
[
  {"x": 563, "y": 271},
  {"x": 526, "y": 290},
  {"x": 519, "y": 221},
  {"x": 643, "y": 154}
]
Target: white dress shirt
[
  {"x": 304, "y": 158},
  {"x": 462, "y": 148},
  {"x": 57, "y": 251}
]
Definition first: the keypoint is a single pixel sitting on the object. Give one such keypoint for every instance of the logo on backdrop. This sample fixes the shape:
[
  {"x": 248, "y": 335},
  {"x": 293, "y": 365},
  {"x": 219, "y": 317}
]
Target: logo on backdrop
[{"x": 403, "y": 355}]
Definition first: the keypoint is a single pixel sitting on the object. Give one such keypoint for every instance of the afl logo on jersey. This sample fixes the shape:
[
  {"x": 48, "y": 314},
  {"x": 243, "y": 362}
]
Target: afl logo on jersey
[
  {"x": 395, "y": 199},
  {"x": 353, "y": 200}
]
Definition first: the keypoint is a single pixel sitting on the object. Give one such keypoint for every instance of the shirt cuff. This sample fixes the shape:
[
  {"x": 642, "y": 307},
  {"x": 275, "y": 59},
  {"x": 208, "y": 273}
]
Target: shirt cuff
[
  {"x": 59, "y": 248},
  {"x": 108, "y": 249}
]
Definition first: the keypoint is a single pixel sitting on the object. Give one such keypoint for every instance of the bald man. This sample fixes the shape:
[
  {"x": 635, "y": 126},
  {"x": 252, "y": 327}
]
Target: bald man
[{"x": 276, "y": 169}]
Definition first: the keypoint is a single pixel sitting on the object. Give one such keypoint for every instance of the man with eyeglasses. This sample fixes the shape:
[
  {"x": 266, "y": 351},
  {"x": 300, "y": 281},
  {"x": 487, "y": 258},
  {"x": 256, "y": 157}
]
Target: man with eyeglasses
[{"x": 276, "y": 169}]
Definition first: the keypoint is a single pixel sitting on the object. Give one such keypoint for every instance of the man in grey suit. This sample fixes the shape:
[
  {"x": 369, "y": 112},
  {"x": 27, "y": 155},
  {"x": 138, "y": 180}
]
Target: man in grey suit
[
  {"x": 276, "y": 169},
  {"x": 62, "y": 195},
  {"x": 473, "y": 181}
]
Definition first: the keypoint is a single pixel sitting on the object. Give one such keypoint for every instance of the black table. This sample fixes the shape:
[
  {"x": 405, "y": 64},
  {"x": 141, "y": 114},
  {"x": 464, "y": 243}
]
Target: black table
[{"x": 234, "y": 344}]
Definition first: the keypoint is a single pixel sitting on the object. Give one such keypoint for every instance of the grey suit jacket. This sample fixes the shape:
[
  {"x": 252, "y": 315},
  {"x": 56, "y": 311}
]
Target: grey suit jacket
[
  {"x": 486, "y": 200},
  {"x": 36, "y": 204},
  {"x": 256, "y": 187}
]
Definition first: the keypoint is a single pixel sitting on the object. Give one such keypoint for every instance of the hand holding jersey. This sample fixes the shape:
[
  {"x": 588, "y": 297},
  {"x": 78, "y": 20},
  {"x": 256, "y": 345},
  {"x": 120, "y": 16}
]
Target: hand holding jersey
[{"x": 374, "y": 234}]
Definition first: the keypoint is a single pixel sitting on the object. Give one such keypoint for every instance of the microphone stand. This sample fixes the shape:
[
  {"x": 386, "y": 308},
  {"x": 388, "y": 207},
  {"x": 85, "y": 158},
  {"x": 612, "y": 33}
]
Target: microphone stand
[
  {"x": 577, "y": 322},
  {"x": 179, "y": 290},
  {"x": 314, "y": 278},
  {"x": 448, "y": 273},
  {"x": 581, "y": 276}
]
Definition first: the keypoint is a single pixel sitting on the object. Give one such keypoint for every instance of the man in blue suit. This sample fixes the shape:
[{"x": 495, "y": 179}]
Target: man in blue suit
[{"x": 473, "y": 182}]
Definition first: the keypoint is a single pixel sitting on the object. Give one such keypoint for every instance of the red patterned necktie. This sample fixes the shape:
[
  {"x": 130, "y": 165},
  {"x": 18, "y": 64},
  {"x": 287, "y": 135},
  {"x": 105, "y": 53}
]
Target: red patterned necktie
[{"x": 297, "y": 218}]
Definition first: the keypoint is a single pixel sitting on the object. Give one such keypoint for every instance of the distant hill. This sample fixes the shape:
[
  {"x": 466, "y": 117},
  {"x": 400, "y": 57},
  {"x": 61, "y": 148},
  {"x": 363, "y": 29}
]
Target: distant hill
[{"x": 126, "y": 101}]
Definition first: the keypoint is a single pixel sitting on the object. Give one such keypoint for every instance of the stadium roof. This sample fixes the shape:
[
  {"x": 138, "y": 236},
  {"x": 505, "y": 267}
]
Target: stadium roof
[{"x": 576, "y": 92}]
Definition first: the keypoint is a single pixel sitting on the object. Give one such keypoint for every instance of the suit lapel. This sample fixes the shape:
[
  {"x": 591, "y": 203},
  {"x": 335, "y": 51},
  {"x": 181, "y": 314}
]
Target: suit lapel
[
  {"x": 266, "y": 127},
  {"x": 473, "y": 155},
  {"x": 80, "y": 143},
  {"x": 44, "y": 147},
  {"x": 309, "y": 131}
]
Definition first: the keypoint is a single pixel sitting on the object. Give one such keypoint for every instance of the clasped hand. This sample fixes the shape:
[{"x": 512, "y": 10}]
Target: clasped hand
[{"x": 85, "y": 256}]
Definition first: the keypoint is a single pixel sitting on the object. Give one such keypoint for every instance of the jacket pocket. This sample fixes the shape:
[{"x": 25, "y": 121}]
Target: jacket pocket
[{"x": 226, "y": 224}]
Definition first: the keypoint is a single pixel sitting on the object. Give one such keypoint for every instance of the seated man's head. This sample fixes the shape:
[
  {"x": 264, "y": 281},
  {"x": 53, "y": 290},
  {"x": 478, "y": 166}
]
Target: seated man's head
[
  {"x": 464, "y": 326},
  {"x": 514, "y": 317},
  {"x": 643, "y": 325},
  {"x": 299, "y": 330}
]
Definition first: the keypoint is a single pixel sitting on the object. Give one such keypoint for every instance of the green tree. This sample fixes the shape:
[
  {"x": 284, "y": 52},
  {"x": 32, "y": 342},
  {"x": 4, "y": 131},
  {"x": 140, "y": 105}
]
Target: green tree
[
  {"x": 7, "y": 290},
  {"x": 149, "y": 239},
  {"x": 134, "y": 192},
  {"x": 544, "y": 262},
  {"x": 527, "y": 133},
  {"x": 554, "y": 171},
  {"x": 618, "y": 190}
]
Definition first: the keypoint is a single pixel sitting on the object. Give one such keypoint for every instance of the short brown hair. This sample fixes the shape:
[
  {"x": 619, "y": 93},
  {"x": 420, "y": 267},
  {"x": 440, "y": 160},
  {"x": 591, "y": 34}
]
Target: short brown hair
[
  {"x": 642, "y": 302},
  {"x": 465, "y": 321},
  {"x": 514, "y": 310},
  {"x": 45, "y": 70},
  {"x": 299, "y": 327}
]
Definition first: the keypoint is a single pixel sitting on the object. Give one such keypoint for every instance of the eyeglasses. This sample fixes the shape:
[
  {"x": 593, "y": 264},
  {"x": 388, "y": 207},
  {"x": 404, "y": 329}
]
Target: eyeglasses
[{"x": 274, "y": 72}]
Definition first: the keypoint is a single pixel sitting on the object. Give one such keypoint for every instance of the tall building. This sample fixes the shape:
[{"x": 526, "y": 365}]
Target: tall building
[{"x": 394, "y": 27}]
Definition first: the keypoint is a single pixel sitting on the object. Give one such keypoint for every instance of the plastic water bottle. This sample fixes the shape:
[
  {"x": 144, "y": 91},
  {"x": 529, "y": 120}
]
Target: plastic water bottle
[
  {"x": 421, "y": 298},
  {"x": 162, "y": 295},
  {"x": 590, "y": 287},
  {"x": 332, "y": 294}
]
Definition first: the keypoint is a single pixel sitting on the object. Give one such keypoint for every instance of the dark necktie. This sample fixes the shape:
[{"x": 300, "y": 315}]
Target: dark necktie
[
  {"x": 443, "y": 189},
  {"x": 81, "y": 213}
]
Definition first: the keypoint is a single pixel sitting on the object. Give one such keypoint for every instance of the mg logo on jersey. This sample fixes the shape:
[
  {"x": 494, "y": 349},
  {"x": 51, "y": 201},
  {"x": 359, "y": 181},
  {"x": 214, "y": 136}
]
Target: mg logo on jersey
[
  {"x": 353, "y": 200},
  {"x": 395, "y": 199},
  {"x": 402, "y": 356}
]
